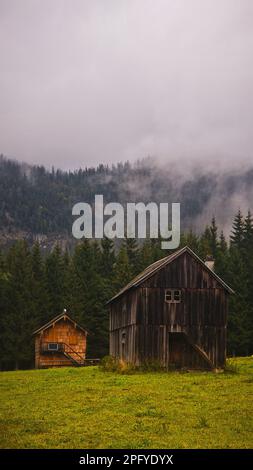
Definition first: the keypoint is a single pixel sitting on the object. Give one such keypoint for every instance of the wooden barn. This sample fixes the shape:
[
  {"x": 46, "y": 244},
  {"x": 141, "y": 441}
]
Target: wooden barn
[
  {"x": 60, "y": 342},
  {"x": 173, "y": 313}
]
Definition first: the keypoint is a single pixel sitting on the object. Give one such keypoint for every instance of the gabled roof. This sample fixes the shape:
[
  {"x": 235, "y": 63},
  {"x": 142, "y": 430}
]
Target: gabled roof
[
  {"x": 154, "y": 267},
  {"x": 64, "y": 316}
]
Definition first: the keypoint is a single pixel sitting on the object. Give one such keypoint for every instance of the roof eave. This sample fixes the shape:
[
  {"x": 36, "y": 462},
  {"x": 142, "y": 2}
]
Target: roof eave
[{"x": 56, "y": 319}]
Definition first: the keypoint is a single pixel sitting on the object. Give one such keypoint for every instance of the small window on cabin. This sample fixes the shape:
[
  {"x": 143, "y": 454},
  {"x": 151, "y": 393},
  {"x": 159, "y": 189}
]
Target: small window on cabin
[
  {"x": 172, "y": 296},
  {"x": 52, "y": 346}
]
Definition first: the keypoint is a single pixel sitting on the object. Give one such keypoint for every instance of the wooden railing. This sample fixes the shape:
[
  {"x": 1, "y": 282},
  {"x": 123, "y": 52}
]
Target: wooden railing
[
  {"x": 75, "y": 357},
  {"x": 68, "y": 351}
]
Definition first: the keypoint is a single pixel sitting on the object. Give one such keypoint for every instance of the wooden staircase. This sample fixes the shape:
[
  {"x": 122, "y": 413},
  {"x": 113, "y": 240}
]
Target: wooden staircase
[
  {"x": 75, "y": 358},
  {"x": 66, "y": 355}
]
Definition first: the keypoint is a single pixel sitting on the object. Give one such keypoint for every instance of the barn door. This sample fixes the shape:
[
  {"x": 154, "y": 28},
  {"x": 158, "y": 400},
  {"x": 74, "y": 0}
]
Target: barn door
[
  {"x": 177, "y": 347},
  {"x": 184, "y": 353}
]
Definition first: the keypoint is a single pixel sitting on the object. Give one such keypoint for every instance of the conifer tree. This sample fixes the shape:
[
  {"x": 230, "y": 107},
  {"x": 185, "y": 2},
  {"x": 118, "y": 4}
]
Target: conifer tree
[
  {"x": 157, "y": 251},
  {"x": 4, "y": 279},
  {"x": 239, "y": 324},
  {"x": 145, "y": 255},
  {"x": 89, "y": 295},
  {"x": 55, "y": 273},
  {"x": 213, "y": 237},
  {"x": 248, "y": 233},
  {"x": 123, "y": 273},
  {"x": 247, "y": 254},
  {"x": 191, "y": 240},
  {"x": 107, "y": 258},
  {"x": 221, "y": 261},
  {"x": 132, "y": 251},
  {"x": 20, "y": 318},
  {"x": 39, "y": 292},
  {"x": 237, "y": 234},
  {"x": 205, "y": 244},
  {"x": 223, "y": 246}
]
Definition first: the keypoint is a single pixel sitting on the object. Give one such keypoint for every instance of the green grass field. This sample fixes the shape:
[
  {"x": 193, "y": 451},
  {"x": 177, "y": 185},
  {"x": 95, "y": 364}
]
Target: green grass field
[{"x": 89, "y": 408}]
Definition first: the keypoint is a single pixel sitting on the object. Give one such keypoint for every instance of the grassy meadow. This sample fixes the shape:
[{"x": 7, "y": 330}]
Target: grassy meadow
[{"x": 89, "y": 408}]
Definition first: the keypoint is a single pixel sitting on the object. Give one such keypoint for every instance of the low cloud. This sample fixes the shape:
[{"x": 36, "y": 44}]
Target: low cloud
[{"x": 91, "y": 81}]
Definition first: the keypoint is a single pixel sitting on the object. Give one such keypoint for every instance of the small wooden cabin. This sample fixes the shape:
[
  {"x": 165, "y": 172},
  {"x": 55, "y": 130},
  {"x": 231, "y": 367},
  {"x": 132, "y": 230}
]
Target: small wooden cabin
[
  {"x": 60, "y": 342},
  {"x": 174, "y": 313}
]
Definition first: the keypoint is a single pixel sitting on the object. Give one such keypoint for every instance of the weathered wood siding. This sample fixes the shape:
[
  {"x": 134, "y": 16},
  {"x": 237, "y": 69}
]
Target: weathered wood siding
[
  {"x": 62, "y": 331},
  {"x": 141, "y": 320}
]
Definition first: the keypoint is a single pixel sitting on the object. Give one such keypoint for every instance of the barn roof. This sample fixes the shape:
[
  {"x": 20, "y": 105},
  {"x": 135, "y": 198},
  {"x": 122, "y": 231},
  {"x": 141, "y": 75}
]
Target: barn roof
[
  {"x": 63, "y": 315},
  {"x": 157, "y": 265}
]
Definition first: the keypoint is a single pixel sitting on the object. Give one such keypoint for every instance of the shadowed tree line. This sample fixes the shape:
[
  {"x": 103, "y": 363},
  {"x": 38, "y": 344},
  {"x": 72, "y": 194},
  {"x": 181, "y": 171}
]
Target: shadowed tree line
[{"x": 34, "y": 287}]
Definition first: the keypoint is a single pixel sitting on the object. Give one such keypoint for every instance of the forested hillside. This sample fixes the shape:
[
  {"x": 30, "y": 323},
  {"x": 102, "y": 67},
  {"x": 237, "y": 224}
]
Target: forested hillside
[
  {"x": 35, "y": 287},
  {"x": 37, "y": 201}
]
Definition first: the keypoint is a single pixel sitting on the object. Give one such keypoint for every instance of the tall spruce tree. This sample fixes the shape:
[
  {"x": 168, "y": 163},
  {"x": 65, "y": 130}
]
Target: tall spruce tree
[
  {"x": 39, "y": 291},
  {"x": 55, "y": 273},
  {"x": 248, "y": 233},
  {"x": 191, "y": 240},
  {"x": 204, "y": 246},
  {"x": 107, "y": 258},
  {"x": 221, "y": 261},
  {"x": 239, "y": 327},
  {"x": 132, "y": 250},
  {"x": 123, "y": 272},
  {"x": 145, "y": 255},
  {"x": 237, "y": 234},
  {"x": 248, "y": 261},
  {"x": 20, "y": 318},
  {"x": 4, "y": 301},
  {"x": 90, "y": 296},
  {"x": 213, "y": 237}
]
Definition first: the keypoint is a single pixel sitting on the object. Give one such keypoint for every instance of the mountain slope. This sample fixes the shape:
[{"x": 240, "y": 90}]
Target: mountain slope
[{"x": 37, "y": 201}]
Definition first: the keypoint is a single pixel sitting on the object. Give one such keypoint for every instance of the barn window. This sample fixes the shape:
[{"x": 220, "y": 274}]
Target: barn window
[{"x": 172, "y": 296}]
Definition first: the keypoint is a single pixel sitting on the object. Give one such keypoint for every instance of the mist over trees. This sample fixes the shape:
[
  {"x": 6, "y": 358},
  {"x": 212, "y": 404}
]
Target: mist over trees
[
  {"x": 39, "y": 201},
  {"x": 35, "y": 287}
]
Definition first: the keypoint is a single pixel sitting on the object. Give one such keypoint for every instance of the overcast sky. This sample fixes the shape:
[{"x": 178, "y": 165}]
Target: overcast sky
[{"x": 89, "y": 81}]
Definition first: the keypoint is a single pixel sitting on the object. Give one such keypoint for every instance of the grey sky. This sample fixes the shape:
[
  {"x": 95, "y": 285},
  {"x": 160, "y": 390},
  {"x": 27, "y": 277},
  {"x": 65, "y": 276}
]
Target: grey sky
[{"x": 89, "y": 81}]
